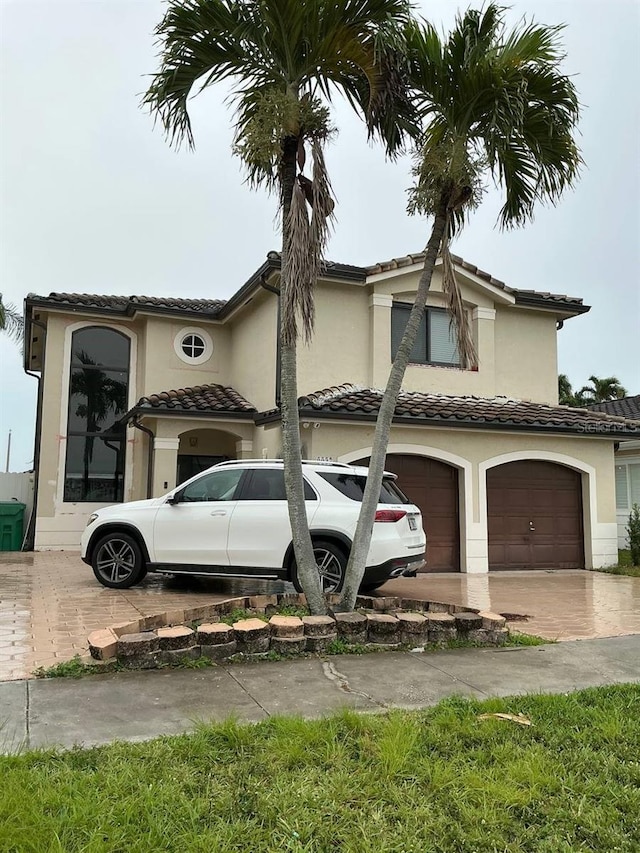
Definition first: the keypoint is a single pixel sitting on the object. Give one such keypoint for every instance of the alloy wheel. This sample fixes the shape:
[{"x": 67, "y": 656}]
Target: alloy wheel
[
  {"x": 330, "y": 569},
  {"x": 116, "y": 560}
]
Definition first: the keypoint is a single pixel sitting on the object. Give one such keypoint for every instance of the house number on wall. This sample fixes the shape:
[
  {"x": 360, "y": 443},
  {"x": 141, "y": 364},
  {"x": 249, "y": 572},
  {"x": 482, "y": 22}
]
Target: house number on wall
[{"x": 324, "y": 458}]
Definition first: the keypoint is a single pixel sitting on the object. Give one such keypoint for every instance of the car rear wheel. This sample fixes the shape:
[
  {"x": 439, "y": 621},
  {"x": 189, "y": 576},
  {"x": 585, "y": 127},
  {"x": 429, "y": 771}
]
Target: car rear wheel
[
  {"x": 331, "y": 562},
  {"x": 117, "y": 561}
]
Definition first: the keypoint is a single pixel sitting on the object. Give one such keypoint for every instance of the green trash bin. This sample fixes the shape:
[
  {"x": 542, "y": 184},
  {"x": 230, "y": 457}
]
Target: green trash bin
[{"x": 11, "y": 525}]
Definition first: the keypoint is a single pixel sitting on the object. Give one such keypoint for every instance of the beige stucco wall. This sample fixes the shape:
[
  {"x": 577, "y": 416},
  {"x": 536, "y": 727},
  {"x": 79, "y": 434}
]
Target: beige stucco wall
[
  {"x": 339, "y": 351},
  {"x": 526, "y": 358},
  {"x": 352, "y": 342},
  {"x": 253, "y": 350},
  {"x": 163, "y": 370}
]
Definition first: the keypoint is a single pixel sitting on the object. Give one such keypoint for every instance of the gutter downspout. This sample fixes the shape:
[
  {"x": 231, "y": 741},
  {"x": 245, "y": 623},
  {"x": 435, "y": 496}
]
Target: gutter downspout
[
  {"x": 276, "y": 290},
  {"x": 30, "y": 535},
  {"x": 150, "y": 452}
]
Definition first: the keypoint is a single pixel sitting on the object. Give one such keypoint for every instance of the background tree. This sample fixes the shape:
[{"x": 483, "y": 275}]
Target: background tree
[
  {"x": 11, "y": 321},
  {"x": 602, "y": 390},
  {"x": 286, "y": 59},
  {"x": 494, "y": 104},
  {"x": 566, "y": 395}
]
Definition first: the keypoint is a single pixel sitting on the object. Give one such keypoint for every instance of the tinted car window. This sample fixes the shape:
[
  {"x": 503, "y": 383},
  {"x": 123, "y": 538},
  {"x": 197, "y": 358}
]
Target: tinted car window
[
  {"x": 352, "y": 486},
  {"x": 268, "y": 485},
  {"x": 217, "y": 486}
]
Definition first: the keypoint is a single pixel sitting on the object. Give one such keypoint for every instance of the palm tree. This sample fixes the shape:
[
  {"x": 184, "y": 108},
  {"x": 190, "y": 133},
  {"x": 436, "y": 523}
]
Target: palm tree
[
  {"x": 601, "y": 390},
  {"x": 287, "y": 58},
  {"x": 567, "y": 396},
  {"x": 494, "y": 104},
  {"x": 11, "y": 321}
]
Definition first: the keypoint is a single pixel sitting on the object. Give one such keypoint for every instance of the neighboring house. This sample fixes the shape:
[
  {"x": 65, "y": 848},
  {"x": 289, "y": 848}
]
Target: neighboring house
[
  {"x": 627, "y": 463},
  {"x": 139, "y": 393}
]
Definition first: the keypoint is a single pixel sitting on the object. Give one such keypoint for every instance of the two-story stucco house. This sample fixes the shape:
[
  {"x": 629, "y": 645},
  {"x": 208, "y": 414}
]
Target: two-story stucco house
[{"x": 138, "y": 394}]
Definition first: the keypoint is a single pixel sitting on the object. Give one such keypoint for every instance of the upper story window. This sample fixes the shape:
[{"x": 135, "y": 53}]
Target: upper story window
[
  {"x": 193, "y": 345},
  {"x": 436, "y": 341},
  {"x": 98, "y": 395}
]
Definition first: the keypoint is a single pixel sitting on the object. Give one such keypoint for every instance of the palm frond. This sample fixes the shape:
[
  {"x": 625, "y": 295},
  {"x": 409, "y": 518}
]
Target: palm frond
[
  {"x": 459, "y": 316},
  {"x": 504, "y": 102},
  {"x": 11, "y": 320},
  {"x": 297, "y": 297}
]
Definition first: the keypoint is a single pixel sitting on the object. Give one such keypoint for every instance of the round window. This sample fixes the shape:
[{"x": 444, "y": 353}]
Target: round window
[{"x": 194, "y": 346}]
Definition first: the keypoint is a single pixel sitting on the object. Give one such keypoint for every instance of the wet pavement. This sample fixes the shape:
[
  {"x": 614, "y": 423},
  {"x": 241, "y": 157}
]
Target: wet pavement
[
  {"x": 50, "y": 602},
  {"x": 559, "y": 604}
]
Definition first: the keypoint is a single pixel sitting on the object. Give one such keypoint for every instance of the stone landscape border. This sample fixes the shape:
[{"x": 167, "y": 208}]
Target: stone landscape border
[{"x": 381, "y": 623}]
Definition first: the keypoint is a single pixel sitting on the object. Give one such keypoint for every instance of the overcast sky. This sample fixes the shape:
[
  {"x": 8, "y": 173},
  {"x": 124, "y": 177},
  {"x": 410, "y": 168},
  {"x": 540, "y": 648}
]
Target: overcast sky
[{"x": 94, "y": 199}]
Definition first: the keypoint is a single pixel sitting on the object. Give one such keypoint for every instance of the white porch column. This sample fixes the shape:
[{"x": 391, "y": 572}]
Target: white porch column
[{"x": 165, "y": 464}]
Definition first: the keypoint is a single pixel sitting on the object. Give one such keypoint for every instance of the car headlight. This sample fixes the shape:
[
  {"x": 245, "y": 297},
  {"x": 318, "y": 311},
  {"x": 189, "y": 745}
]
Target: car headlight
[{"x": 92, "y": 518}]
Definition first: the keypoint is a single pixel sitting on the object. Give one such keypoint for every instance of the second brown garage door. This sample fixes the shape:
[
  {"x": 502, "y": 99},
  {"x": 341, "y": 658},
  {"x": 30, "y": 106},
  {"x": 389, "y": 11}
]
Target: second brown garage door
[
  {"x": 535, "y": 516},
  {"x": 433, "y": 487}
]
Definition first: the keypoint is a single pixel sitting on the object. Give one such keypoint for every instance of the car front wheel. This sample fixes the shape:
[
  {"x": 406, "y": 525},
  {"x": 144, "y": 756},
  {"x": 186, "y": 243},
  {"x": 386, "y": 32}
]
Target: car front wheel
[
  {"x": 118, "y": 562},
  {"x": 331, "y": 562}
]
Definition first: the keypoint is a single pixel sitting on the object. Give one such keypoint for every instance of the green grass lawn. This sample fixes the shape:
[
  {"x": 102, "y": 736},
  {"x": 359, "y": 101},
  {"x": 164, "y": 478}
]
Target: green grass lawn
[
  {"x": 437, "y": 780},
  {"x": 624, "y": 567}
]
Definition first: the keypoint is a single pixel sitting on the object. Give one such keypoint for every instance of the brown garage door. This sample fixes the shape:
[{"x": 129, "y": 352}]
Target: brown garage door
[
  {"x": 433, "y": 487},
  {"x": 535, "y": 516}
]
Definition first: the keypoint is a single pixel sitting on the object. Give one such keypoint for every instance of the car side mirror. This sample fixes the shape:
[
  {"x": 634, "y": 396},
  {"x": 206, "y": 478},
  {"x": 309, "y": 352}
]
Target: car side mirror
[{"x": 173, "y": 499}]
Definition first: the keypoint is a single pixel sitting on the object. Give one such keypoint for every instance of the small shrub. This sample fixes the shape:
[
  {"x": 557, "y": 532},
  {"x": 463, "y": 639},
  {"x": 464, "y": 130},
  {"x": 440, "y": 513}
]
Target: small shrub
[
  {"x": 633, "y": 530},
  {"x": 239, "y": 614}
]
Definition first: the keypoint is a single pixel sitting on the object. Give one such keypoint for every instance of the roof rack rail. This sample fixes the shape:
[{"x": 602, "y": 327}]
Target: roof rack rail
[{"x": 272, "y": 461}]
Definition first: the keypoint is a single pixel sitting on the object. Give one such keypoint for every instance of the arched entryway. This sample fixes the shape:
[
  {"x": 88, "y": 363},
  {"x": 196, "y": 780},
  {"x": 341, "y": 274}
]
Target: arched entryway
[
  {"x": 534, "y": 514},
  {"x": 433, "y": 486},
  {"x": 200, "y": 449}
]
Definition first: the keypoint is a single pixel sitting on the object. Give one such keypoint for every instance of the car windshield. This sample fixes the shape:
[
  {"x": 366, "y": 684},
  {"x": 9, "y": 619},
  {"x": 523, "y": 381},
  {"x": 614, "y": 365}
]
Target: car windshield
[{"x": 352, "y": 486}]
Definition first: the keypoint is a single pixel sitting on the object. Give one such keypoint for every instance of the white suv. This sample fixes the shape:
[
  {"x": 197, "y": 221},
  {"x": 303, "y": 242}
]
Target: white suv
[{"x": 232, "y": 521}]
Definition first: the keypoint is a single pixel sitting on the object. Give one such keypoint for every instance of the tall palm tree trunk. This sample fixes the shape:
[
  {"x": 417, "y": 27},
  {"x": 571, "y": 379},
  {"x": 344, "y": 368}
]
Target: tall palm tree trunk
[
  {"x": 364, "y": 529},
  {"x": 291, "y": 450}
]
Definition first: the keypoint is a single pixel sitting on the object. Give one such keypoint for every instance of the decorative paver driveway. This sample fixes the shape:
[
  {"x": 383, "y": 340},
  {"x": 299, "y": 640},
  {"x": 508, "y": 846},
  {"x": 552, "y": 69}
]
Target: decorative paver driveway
[
  {"x": 560, "y": 604},
  {"x": 50, "y": 602}
]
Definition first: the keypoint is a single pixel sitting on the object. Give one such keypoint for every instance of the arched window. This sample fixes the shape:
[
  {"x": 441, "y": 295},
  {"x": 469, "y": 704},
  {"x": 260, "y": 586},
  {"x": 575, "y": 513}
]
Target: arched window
[{"x": 98, "y": 395}]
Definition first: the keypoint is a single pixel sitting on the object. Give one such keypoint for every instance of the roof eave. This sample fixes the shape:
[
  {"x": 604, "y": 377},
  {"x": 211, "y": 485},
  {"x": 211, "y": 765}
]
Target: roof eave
[
  {"x": 130, "y": 310},
  {"x": 150, "y": 411},
  {"x": 566, "y": 309},
  {"x": 368, "y": 417}
]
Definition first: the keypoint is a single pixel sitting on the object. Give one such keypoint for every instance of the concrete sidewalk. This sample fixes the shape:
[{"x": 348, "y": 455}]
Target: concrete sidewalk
[{"x": 137, "y": 706}]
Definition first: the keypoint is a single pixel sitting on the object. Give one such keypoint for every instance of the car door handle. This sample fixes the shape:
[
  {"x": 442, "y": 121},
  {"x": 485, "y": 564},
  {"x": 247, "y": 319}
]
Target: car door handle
[{"x": 219, "y": 512}]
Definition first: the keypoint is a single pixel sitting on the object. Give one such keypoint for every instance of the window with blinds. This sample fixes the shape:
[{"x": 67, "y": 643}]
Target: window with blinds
[
  {"x": 627, "y": 485},
  {"x": 436, "y": 340}
]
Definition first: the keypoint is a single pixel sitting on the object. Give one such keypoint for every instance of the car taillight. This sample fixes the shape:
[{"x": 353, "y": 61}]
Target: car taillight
[{"x": 390, "y": 514}]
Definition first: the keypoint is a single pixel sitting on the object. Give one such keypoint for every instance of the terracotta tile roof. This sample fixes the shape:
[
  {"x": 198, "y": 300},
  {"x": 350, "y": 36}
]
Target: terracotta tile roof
[
  {"x": 520, "y": 295},
  {"x": 201, "y": 399},
  {"x": 488, "y": 412},
  {"x": 130, "y": 304},
  {"x": 627, "y": 407}
]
